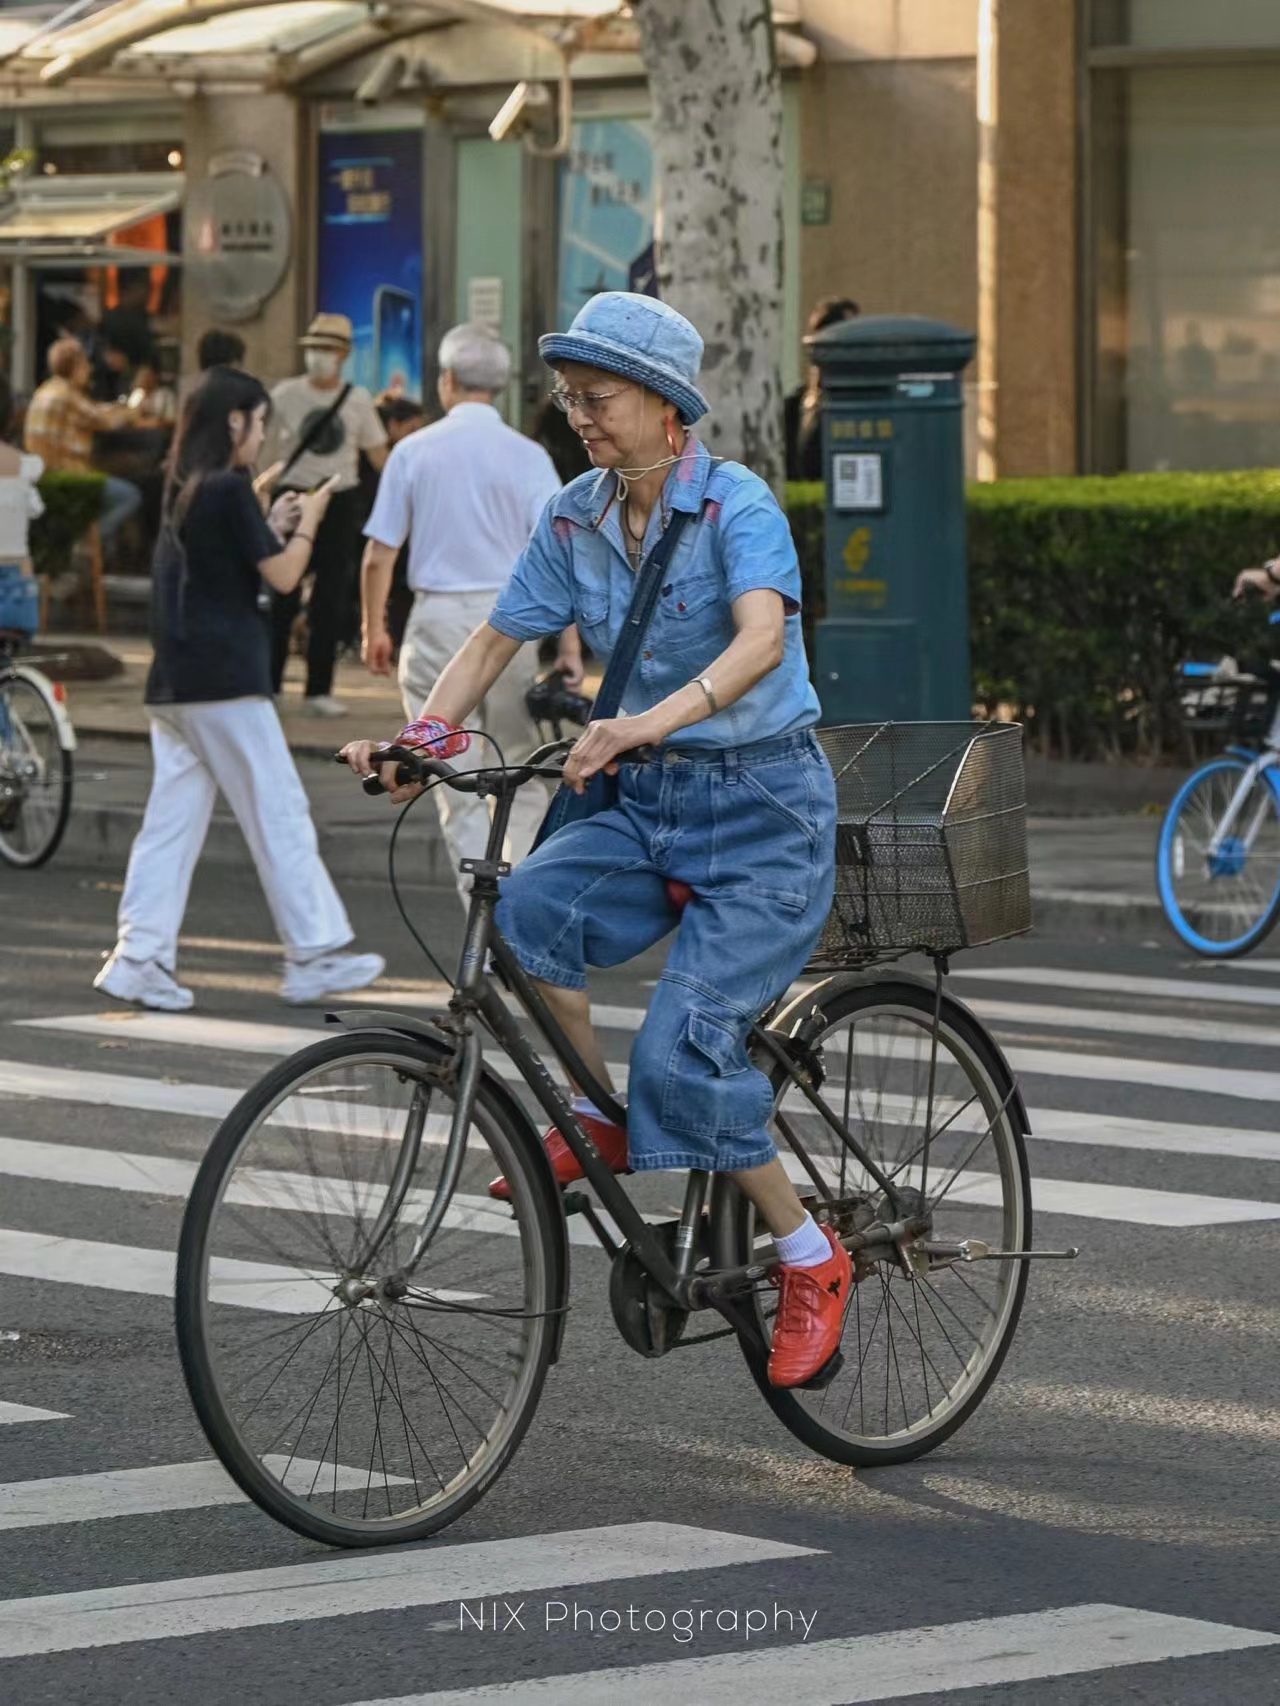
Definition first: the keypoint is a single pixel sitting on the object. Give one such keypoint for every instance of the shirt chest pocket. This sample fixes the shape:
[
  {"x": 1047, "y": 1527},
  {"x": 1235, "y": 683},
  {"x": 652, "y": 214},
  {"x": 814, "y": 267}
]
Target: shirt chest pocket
[
  {"x": 694, "y": 617},
  {"x": 591, "y": 614}
]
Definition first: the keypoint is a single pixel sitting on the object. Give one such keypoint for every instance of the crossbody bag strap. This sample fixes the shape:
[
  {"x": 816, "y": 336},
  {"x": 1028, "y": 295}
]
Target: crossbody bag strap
[
  {"x": 644, "y": 601},
  {"x": 312, "y": 434}
]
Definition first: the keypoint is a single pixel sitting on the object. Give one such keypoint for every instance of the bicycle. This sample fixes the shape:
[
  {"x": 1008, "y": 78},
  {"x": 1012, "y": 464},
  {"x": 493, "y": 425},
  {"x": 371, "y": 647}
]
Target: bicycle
[
  {"x": 1218, "y": 854},
  {"x": 346, "y": 1189},
  {"x": 37, "y": 741}
]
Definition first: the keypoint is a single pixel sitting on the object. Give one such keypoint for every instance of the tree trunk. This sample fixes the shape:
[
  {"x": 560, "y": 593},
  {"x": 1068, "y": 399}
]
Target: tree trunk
[{"x": 717, "y": 144}]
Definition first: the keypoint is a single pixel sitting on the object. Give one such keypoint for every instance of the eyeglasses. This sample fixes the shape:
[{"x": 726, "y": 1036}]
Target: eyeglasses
[{"x": 586, "y": 402}]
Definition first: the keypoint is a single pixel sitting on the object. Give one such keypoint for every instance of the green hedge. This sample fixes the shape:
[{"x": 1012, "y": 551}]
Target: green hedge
[
  {"x": 1086, "y": 595},
  {"x": 71, "y": 503}
]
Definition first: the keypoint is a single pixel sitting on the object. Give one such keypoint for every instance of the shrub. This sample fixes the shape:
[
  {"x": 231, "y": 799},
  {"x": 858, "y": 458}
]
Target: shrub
[
  {"x": 1086, "y": 594},
  {"x": 72, "y": 502}
]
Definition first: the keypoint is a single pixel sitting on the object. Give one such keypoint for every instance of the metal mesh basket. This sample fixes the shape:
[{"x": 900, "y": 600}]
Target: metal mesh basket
[
  {"x": 931, "y": 839},
  {"x": 1216, "y": 701}
]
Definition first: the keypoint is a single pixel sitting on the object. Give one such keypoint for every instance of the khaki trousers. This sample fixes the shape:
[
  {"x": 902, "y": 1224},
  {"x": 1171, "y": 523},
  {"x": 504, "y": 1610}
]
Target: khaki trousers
[{"x": 437, "y": 627}]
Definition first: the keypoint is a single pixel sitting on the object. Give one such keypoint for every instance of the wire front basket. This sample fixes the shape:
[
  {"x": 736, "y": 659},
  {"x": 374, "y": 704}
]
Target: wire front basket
[
  {"x": 1218, "y": 701},
  {"x": 931, "y": 839}
]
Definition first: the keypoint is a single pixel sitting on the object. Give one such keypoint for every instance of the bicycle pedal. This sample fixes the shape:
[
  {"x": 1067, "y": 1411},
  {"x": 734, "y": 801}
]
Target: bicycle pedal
[{"x": 825, "y": 1375}]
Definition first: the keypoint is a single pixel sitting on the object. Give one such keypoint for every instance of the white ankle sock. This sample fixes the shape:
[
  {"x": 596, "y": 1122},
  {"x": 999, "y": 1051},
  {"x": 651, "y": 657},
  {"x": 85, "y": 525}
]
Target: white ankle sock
[
  {"x": 806, "y": 1247},
  {"x": 582, "y": 1105}
]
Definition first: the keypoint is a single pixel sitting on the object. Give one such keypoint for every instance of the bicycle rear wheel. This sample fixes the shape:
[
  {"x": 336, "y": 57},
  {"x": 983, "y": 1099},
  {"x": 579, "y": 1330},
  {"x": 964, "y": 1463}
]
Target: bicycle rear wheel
[
  {"x": 921, "y": 1347},
  {"x": 35, "y": 773},
  {"x": 1221, "y": 901},
  {"x": 352, "y": 1413}
]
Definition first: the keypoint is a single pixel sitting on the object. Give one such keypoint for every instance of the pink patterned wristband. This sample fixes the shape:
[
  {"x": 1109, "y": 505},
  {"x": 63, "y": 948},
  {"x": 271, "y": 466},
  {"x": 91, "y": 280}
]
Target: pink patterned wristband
[{"x": 443, "y": 740}]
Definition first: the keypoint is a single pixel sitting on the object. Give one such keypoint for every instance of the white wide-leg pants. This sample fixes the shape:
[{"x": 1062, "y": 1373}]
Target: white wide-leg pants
[
  {"x": 236, "y": 746},
  {"x": 437, "y": 627}
]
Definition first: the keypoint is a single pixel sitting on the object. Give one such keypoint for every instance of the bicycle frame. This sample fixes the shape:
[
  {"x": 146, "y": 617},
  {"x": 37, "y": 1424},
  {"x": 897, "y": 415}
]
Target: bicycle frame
[
  {"x": 476, "y": 997},
  {"x": 1259, "y": 763}
]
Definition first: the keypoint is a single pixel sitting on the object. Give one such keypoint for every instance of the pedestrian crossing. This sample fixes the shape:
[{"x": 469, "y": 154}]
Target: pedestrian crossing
[
  {"x": 1074, "y": 1641},
  {"x": 97, "y": 1223}
]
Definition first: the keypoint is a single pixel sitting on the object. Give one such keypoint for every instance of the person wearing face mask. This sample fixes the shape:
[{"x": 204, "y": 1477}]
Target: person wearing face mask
[
  {"x": 214, "y": 728},
  {"x": 320, "y": 425}
]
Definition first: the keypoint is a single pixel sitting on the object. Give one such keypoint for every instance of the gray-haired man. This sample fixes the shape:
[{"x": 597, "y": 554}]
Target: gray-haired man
[{"x": 466, "y": 492}]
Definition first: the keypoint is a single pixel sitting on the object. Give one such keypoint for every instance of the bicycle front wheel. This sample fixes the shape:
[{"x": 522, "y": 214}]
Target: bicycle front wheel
[
  {"x": 1221, "y": 893},
  {"x": 355, "y": 1407},
  {"x": 35, "y": 773},
  {"x": 922, "y": 1339}
]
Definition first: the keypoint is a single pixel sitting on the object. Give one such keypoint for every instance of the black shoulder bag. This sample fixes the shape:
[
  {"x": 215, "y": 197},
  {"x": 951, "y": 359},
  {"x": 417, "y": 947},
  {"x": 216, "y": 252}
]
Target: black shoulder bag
[
  {"x": 602, "y": 790},
  {"x": 312, "y": 434}
]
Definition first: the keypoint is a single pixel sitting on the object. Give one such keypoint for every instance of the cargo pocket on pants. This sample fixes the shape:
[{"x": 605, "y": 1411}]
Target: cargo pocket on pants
[{"x": 711, "y": 1089}]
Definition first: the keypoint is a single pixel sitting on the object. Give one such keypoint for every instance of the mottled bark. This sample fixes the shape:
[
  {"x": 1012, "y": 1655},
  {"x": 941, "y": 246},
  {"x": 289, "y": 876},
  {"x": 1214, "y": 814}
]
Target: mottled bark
[{"x": 717, "y": 139}]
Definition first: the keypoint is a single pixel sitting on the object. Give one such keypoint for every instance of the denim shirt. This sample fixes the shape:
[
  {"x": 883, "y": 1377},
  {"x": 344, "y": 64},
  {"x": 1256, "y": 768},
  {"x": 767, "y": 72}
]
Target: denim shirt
[{"x": 575, "y": 569}]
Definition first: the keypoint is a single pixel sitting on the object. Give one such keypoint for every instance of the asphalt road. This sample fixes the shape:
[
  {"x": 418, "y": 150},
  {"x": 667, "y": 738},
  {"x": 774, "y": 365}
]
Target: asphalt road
[{"x": 1126, "y": 1458}]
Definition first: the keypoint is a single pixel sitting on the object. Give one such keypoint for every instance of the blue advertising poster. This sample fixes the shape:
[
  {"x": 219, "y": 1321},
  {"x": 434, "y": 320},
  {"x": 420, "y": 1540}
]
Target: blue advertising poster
[
  {"x": 369, "y": 253},
  {"x": 606, "y": 213}
]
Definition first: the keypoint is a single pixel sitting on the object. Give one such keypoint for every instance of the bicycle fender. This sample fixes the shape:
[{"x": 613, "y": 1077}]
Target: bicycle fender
[
  {"x": 425, "y": 1030},
  {"x": 42, "y": 685},
  {"x": 801, "y": 1015}
]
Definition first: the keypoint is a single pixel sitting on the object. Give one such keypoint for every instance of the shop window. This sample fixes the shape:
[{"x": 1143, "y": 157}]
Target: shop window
[
  {"x": 1186, "y": 260},
  {"x": 1173, "y": 24},
  {"x": 606, "y": 213}
]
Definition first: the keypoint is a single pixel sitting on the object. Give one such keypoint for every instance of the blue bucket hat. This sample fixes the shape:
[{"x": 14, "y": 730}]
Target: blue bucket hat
[{"x": 638, "y": 338}]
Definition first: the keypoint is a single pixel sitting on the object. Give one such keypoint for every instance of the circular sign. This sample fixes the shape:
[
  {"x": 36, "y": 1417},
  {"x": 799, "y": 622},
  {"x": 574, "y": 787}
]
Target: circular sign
[{"x": 240, "y": 235}]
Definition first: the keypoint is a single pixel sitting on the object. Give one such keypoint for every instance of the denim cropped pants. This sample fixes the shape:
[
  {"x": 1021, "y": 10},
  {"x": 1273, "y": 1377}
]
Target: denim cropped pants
[{"x": 752, "y": 831}]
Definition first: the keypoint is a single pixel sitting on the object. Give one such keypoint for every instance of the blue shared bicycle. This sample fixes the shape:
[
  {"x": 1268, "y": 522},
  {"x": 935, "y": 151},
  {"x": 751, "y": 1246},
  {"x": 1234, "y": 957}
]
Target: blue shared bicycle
[{"x": 1218, "y": 856}]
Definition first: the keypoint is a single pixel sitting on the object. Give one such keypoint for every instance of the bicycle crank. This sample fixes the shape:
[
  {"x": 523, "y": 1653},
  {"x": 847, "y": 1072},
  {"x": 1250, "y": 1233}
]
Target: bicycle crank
[{"x": 644, "y": 1314}]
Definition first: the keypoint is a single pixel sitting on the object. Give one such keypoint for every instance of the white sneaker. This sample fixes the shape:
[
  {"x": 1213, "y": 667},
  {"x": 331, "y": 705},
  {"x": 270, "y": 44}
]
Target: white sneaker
[
  {"x": 145, "y": 983},
  {"x": 324, "y": 705},
  {"x": 331, "y": 974}
]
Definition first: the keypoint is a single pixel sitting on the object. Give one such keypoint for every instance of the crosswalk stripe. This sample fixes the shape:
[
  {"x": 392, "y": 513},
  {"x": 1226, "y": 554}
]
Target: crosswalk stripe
[
  {"x": 1026, "y": 1647},
  {"x": 242, "y": 1036},
  {"x": 166, "y": 1176},
  {"x": 1130, "y": 1203},
  {"x": 13, "y": 1413},
  {"x": 1125, "y": 983},
  {"x": 1122, "y": 1131},
  {"x": 1249, "y": 1084},
  {"x": 276, "y": 1290},
  {"x": 363, "y": 1583},
  {"x": 167, "y": 1487},
  {"x": 1166, "y": 1025},
  {"x": 116, "y": 1090},
  {"x": 1133, "y": 1204}
]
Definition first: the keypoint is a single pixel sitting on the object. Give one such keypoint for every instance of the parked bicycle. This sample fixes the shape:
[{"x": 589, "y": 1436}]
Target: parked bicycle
[
  {"x": 36, "y": 746},
  {"x": 1218, "y": 855},
  {"x": 365, "y": 1333}
]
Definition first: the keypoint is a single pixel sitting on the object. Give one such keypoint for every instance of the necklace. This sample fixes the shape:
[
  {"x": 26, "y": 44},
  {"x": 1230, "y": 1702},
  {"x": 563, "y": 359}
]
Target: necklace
[{"x": 634, "y": 542}]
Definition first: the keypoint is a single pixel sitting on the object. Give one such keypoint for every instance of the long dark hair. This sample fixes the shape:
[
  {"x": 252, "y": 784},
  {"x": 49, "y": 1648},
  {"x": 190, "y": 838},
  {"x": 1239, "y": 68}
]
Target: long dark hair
[{"x": 204, "y": 444}]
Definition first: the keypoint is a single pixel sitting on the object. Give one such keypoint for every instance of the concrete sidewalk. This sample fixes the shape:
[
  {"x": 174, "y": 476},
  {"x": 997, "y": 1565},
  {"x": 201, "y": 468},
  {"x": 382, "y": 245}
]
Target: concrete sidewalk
[{"x": 114, "y": 707}]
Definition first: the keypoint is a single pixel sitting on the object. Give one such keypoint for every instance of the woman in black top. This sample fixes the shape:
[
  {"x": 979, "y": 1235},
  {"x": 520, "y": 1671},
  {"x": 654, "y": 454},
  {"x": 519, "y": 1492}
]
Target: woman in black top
[{"x": 213, "y": 722}]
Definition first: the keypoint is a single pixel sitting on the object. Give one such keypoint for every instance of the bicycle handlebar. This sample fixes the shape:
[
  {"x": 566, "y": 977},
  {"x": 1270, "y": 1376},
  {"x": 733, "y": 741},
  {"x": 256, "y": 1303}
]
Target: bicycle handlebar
[{"x": 414, "y": 766}]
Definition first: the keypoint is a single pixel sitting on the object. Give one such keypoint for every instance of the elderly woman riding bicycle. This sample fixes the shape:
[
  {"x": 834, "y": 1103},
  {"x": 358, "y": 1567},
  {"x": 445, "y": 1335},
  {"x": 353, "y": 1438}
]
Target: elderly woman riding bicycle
[{"x": 723, "y": 822}]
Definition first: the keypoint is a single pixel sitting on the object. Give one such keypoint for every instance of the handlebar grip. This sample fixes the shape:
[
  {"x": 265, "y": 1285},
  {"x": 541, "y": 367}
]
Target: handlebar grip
[{"x": 405, "y": 773}]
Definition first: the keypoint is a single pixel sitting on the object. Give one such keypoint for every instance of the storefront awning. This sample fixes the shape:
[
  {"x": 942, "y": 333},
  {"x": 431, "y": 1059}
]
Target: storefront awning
[
  {"x": 267, "y": 41},
  {"x": 47, "y": 219}
]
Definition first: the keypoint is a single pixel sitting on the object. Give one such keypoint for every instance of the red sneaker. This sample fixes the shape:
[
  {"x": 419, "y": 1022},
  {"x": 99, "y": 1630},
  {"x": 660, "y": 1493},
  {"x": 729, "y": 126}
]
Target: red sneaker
[
  {"x": 608, "y": 1138},
  {"x": 806, "y": 1329}
]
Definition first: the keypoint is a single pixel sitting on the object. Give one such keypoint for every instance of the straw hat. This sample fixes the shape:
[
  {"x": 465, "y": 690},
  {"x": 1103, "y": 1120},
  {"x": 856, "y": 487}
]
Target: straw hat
[{"x": 328, "y": 331}]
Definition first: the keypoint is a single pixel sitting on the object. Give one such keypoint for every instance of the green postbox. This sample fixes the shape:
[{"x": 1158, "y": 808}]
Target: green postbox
[{"x": 895, "y": 639}]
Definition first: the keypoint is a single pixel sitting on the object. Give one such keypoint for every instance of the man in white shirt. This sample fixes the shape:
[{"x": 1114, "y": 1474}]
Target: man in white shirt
[
  {"x": 319, "y": 425},
  {"x": 466, "y": 492}
]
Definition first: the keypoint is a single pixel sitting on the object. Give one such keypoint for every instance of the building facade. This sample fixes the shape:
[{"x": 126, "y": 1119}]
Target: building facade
[{"x": 1091, "y": 185}]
